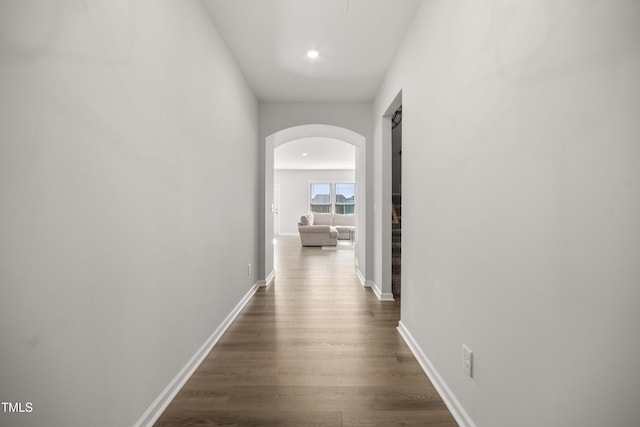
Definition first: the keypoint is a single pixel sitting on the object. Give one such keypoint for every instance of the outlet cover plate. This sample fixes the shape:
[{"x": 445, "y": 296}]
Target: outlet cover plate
[{"x": 467, "y": 360}]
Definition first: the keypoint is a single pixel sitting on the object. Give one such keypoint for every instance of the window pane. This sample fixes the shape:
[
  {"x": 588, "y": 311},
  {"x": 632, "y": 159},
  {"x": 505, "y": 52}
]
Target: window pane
[
  {"x": 345, "y": 198},
  {"x": 321, "y": 193},
  {"x": 321, "y": 208},
  {"x": 320, "y": 198},
  {"x": 346, "y": 194},
  {"x": 345, "y": 209}
]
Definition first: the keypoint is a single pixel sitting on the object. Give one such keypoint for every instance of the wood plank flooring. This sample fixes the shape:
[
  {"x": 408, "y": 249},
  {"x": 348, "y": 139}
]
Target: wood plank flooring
[{"x": 313, "y": 349}]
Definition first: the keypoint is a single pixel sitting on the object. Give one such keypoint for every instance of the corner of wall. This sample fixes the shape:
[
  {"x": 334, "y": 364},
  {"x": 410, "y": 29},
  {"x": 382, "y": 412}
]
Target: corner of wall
[
  {"x": 455, "y": 407},
  {"x": 382, "y": 296},
  {"x": 268, "y": 280},
  {"x": 155, "y": 410}
]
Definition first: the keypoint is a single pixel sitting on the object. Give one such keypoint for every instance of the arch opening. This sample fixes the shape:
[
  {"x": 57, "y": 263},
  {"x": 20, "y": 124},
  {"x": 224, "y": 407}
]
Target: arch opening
[{"x": 308, "y": 131}]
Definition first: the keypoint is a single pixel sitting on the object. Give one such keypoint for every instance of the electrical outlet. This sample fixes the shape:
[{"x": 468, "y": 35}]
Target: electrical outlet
[
  {"x": 248, "y": 269},
  {"x": 467, "y": 360}
]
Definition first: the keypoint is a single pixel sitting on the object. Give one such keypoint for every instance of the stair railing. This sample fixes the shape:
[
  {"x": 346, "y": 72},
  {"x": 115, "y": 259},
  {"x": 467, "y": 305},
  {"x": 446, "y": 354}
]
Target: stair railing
[{"x": 394, "y": 215}]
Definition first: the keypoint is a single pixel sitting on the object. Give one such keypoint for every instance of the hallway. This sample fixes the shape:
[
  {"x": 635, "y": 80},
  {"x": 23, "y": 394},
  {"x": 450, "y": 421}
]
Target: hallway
[{"x": 313, "y": 349}]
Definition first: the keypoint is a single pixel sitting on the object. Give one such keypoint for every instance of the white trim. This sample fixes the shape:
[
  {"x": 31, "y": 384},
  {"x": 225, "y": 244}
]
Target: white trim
[
  {"x": 271, "y": 277},
  {"x": 361, "y": 278},
  {"x": 376, "y": 290},
  {"x": 289, "y": 234},
  {"x": 268, "y": 281},
  {"x": 455, "y": 407},
  {"x": 161, "y": 402}
]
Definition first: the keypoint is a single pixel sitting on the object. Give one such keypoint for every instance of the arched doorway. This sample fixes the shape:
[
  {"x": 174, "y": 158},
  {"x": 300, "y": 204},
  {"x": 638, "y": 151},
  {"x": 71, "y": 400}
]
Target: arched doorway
[{"x": 305, "y": 131}]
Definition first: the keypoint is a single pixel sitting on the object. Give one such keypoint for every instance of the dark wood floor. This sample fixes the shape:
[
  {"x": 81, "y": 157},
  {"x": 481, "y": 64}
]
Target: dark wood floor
[{"x": 313, "y": 349}]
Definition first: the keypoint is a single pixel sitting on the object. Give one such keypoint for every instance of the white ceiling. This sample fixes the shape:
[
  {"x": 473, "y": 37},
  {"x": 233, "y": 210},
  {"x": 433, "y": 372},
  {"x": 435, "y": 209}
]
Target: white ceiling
[
  {"x": 321, "y": 153},
  {"x": 357, "y": 40}
]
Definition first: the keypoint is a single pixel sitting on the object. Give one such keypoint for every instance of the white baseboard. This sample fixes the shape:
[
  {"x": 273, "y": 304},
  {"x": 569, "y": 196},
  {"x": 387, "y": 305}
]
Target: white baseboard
[
  {"x": 161, "y": 402},
  {"x": 371, "y": 284},
  {"x": 461, "y": 416},
  {"x": 376, "y": 290},
  {"x": 269, "y": 279}
]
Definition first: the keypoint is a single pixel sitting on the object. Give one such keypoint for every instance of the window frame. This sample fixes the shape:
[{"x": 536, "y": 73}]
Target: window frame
[
  {"x": 343, "y": 205},
  {"x": 333, "y": 197},
  {"x": 310, "y": 196}
]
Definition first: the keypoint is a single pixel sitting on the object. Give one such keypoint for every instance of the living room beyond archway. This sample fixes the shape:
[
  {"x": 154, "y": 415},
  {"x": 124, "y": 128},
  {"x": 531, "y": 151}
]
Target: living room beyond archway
[
  {"x": 328, "y": 132},
  {"x": 314, "y": 175}
]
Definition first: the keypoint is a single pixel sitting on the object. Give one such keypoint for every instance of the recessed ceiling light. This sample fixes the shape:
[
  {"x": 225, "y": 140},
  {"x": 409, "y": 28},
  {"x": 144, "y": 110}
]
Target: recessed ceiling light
[
  {"x": 313, "y": 54},
  {"x": 304, "y": 154}
]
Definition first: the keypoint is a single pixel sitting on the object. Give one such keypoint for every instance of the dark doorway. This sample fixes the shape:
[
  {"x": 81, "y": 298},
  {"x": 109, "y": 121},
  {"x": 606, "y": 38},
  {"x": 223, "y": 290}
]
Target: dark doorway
[{"x": 396, "y": 197}]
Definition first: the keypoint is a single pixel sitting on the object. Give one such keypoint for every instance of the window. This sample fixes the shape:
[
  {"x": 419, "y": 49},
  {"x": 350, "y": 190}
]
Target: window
[
  {"x": 327, "y": 197},
  {"x": 345, "y": 198},
  {"x": 320, "y": 198}
]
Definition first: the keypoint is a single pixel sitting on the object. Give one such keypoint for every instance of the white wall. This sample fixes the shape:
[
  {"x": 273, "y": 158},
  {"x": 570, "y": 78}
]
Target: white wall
[
  {"x": 354, "y": 116},
  {"x": 294, "y": 192},
  {"x": 128, "y": 161},
  {"x": 521, "y": 199}
]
